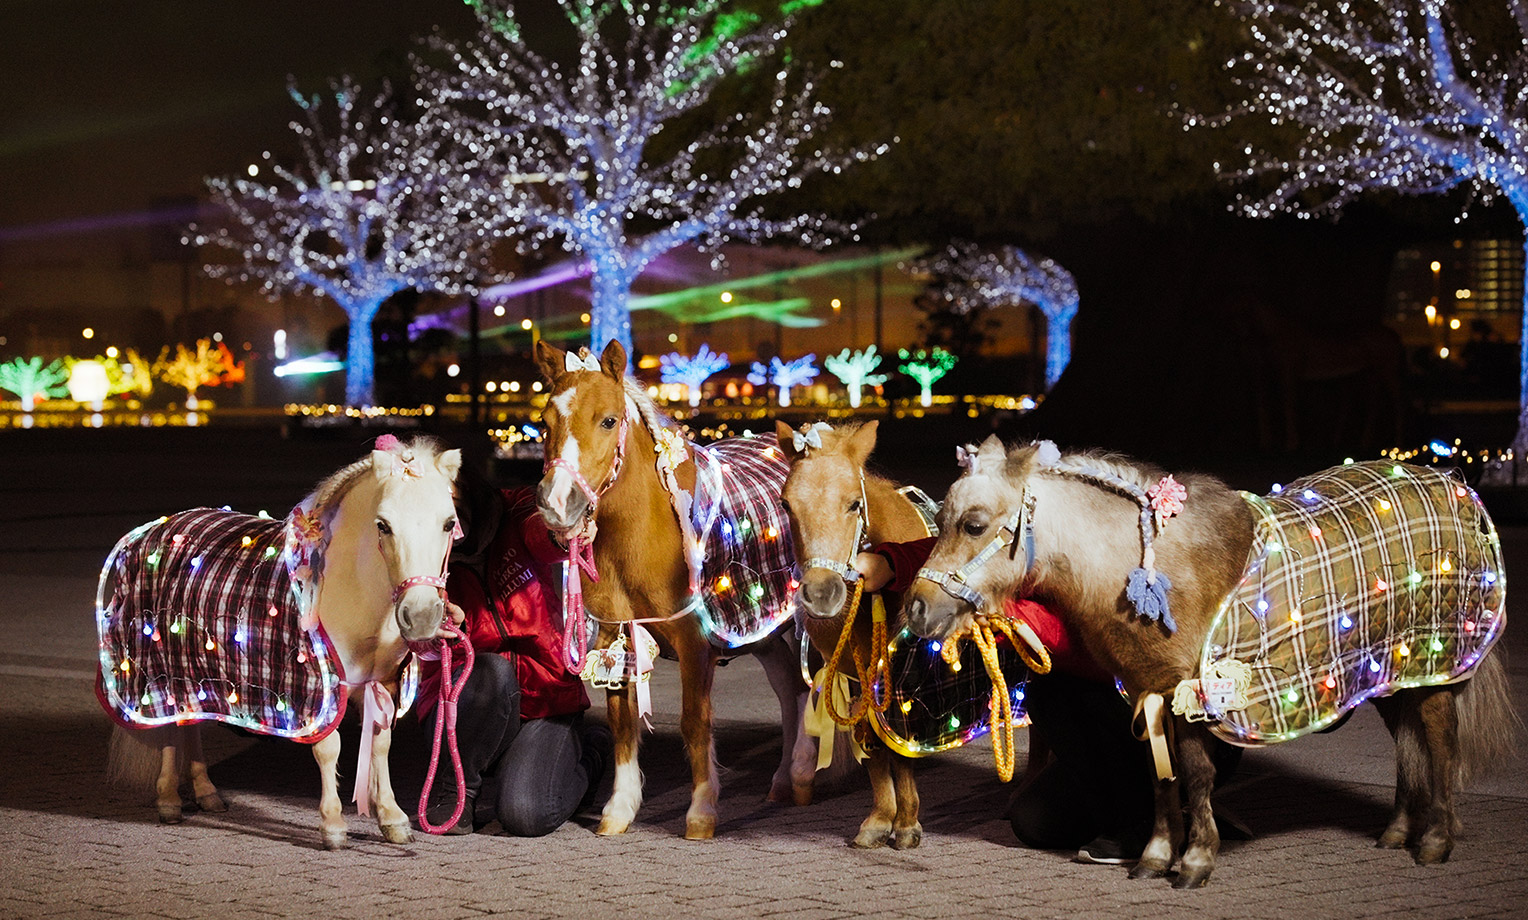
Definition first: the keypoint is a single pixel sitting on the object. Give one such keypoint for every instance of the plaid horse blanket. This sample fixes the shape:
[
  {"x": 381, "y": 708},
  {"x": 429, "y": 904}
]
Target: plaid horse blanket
[
  {"x": 199, "y": 617},
  {"x": 743, "y": 574},
  {"x": 1362, "y": 580}
]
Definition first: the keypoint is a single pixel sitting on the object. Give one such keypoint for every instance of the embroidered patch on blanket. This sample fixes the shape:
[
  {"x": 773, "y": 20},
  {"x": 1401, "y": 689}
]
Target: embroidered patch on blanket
[{"x": 1362, "y": 580}]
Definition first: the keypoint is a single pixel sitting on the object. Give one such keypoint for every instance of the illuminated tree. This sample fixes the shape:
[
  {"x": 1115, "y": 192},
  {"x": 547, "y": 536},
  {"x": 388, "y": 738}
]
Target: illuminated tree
[
  {"x": 208, "y": 365},
  {"x": 692, "y": 372},
  {"x": 925, "y": 366},
  {"x": 375, "y": 206},
  {"x": 575, "y": 150},
  {"x": 784, "y": 375},
  {"x": 856, "y": 371},
  {"x": 1393, "y": 95},
  {"x": 29, "y": 379},
  {"x": 980, "y": 280}
]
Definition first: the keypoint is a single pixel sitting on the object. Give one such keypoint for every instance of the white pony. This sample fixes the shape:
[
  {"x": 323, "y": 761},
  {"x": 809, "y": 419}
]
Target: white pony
[{"x": 274, "y": 625}]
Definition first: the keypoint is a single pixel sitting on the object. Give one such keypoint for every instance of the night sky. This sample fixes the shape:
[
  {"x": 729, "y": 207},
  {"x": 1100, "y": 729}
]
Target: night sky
[{"x": 108, "y": 105}]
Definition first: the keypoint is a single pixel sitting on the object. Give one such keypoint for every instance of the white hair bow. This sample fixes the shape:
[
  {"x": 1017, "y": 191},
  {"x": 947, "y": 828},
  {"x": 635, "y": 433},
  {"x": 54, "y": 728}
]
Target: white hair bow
[
  {"x": 1047, "y": 453},
  {"x": 810, "y": 435},
  {"x": 580, "y": 361}
]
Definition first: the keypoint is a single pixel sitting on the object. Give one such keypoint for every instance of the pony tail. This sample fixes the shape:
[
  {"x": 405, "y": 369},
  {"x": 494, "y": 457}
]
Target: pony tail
[
  {"x": 133, "y": 759},
  {"x": 1489, "y": 725}
]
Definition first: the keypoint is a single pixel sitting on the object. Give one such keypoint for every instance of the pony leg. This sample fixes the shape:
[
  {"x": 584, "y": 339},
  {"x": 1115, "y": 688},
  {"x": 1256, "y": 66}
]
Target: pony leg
[
  {"x": 392, "y": 821},
  {"x": 907, "y": 831},
  {"x": 626, "y": 794},
  {"x": 876, "y": 829},
  {"x": 207, "y": 797},
  {"x": 793, "y": 779},
  {"x": 1440, "y": 731},
  {"x": 697, "y": 672},
  {"x": 330, "y": 813},
  {"x": 167, "y": 786},
  {"x": 1400, "y": 712},
  {"x": 1196, "y": 774}
]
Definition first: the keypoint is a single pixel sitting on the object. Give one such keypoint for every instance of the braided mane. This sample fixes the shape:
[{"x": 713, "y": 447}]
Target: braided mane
[{"x": 324, "y": 499}]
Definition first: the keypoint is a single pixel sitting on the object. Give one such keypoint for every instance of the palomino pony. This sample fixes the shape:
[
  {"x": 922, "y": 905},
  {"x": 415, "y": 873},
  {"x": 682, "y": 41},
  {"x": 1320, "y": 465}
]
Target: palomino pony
[
  {"x": 616, "y": 467},
  {"x": 1260, "y": 618},
  {"x": 834, "y": 508},
  {"x": 273, "y": 625}
]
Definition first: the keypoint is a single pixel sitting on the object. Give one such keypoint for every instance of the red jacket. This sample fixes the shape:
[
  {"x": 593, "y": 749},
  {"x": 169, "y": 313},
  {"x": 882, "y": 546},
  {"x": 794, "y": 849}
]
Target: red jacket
[
  {"x": 513, "y": 614},
  {"x": 1066, "y": 650}
]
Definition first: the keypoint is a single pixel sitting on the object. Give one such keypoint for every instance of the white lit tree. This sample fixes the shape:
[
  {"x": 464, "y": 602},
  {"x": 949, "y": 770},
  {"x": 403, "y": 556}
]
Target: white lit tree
[
  {"x": 691, "y": 371},
  {"x": 856, "y": 370},
  {"x": 1393, "y": 95},
  {"x": 374, "y": 206},
  {"x": 576, "y": 148},
  {"x": 784, "y": 375},
  {"x": 978, "y": 279}
]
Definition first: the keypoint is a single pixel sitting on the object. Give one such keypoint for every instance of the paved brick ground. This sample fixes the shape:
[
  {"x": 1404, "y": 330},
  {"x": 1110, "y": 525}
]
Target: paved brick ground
[{"x": 70, "y": 847}]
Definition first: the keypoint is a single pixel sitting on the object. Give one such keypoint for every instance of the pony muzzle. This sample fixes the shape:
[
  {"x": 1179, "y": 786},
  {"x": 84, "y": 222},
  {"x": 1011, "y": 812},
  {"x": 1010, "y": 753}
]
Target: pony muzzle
[
  {"x": 823, "y": 592},
  {"x": 930, "y": 612},
  {"x": 419, "y": 606},
  {"x": 562, "y": 504}
]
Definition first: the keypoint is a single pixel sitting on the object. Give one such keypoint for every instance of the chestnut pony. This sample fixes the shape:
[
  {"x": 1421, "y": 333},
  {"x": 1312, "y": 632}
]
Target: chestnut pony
[
  {"x": 273, "y": 626},
  {"x": 601, "y": 439},
  {"x": 1260, "y": 617},
  {"x": 835, "y": 509}
]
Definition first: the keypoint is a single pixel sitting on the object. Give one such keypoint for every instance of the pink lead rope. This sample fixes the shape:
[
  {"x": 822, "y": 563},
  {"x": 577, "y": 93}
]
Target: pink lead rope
[{"x": 445, "y": 719}]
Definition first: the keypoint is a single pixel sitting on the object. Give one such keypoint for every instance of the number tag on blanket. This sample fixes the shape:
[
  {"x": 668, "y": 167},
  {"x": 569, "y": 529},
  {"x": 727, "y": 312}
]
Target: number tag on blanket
[{"x": 611, "y": 668}]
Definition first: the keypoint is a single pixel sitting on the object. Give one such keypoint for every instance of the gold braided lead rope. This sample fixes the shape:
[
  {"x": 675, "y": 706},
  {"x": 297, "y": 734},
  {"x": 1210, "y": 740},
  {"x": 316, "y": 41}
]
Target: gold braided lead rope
[
  {"x": 1030, "y": 650},
  {"x": 860, "y": 707}
]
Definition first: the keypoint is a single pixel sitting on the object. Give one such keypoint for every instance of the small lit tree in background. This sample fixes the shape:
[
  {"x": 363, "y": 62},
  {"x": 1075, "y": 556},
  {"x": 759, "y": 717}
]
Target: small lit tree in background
[
  {"x": 1390, "y": 95},
  {"x": 976, "y": 279},
  {"x": 208, "y": 365},
  {"x": 572, "y": 149},
  {"x": 30, "y": 378},
  {"x": 856, "y": 370},
  {"x": 374, "y": 207},
  {"x": 784, "y": 375},
  {"x": 692, "y": 371},
  {"x": 926, "y": 366}
]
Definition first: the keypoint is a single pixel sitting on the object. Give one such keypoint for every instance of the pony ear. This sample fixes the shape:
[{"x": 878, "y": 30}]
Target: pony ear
[
  {"x": 993, "y": 446},
  {"x": 1022, "y": 461},
  {"x": 449, "y": 464},
  {"x": 613, "y": 359},
  {"x": 384, "y": 463},
  {"x": 862, "y": 442},
  {"x": 784, "y": 434},
  {"x": 550, "y": 359}
]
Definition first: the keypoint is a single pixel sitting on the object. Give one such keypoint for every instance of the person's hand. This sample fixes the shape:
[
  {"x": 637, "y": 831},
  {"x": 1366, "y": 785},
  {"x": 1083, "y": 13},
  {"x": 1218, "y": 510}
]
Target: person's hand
[
  {"x": 456, "y": 615},
  {"x": 874, "y": 570}
]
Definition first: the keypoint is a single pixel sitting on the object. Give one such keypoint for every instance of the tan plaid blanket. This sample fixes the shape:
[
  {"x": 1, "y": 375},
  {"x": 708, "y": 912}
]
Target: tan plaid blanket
[{"x": 1362, "y": 580}]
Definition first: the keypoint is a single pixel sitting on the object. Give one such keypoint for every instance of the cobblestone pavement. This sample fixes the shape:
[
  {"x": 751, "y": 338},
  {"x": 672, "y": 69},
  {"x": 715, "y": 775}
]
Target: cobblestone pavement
[{"x": 72, "y": 847}]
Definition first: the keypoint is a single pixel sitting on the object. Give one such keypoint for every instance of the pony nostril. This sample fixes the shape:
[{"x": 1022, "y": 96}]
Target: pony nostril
[{"x": 917, "y": 613}]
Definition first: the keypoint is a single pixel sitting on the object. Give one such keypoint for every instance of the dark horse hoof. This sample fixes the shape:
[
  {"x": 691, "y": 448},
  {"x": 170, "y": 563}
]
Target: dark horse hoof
[
  {"x": 1144, "y": 869},
  {"x": 1192, "y": 878}
]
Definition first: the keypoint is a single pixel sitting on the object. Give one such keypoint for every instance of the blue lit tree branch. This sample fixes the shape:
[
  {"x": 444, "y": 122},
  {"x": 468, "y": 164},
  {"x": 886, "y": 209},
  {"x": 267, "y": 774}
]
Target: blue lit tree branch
[
  {"x": 369, "y": 210},
  {"x": 571, "y": 150},
  {"x": 980, "y": 280},
  {"x": 784, "y": 375},
  {"x": 692, "y": 371},
  {"x": 1385, "y": 94},
  {"x": 856, "y": 371}
]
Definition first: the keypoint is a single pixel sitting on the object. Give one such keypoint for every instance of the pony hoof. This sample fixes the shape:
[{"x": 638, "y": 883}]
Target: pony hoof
[
  {"x": 907, "y": 838},
  {"x": 397, "y": 833},
  {"x": 336, "y": 840},
  {"x": 802, "y": 794},
  {"x": 1391, "y": 839},
  {"x": 870, "y": 840},
  {"x": 171, "y": 814},
  {"x": 699, "y": 828},
  {"x": 1192, "y": 878},
  {"x": 1144, "y": 869},
  {"x": 609, "y": 827},
  {"x": 780, "y": 794},
  {"x": 1433, "y": 852},
  {"x": 211, "y": 802}
]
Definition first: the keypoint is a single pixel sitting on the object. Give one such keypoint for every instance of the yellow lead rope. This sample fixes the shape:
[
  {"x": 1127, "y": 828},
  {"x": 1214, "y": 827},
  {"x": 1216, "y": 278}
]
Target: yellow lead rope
[
  {"x": 1030, "y": 649},
  {"x": 859, "y": 708}
]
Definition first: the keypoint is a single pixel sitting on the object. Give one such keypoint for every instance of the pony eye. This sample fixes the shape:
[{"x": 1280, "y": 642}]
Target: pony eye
[
  {"x": 384, "y": 528},
  {"x": 785, "y": 505},
  {"x": 608, "y": 423},
  {"x": 854, "y": 506},
  {"x": 973, "y": 528},
  {"x": 450, "y": 525}
]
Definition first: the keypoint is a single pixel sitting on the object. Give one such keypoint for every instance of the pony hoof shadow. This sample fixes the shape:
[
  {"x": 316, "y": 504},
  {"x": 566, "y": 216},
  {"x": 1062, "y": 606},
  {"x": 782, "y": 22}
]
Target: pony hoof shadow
[{"x": 907, "y": 838}]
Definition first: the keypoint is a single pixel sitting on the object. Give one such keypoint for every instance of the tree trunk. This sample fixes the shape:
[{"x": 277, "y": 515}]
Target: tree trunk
[
  {"x": 360, "y": 359},
  {"x": 609, "y": 311}
]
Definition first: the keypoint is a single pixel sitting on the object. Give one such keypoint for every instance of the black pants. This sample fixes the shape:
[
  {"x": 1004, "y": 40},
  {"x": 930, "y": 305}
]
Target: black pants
[
  {"x": 529, "y": 775},
  {"x": 1100, "y": 782}
]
